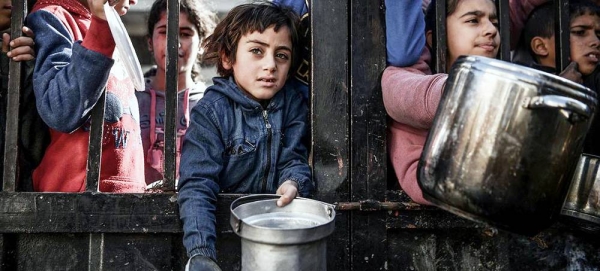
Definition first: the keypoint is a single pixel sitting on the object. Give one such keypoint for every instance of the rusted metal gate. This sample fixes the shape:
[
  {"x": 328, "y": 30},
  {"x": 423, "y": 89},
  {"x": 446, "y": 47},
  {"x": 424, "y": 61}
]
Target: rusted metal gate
[{"x": 377, "y": 226}]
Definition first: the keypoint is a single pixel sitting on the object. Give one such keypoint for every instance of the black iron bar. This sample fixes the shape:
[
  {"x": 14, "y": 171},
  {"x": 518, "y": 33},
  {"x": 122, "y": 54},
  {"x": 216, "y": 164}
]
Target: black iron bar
[
  {"x": 504, "y": 29},
  {"x": 171, "y": 94},
  {"x": 19, "y": 10},
  {"x": 439, "y": 33},
  {"x": 562, "y": 36}
]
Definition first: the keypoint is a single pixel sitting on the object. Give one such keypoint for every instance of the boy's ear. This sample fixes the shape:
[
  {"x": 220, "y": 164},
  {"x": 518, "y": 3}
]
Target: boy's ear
[
  {"x": 429, "y": 38},
  {"x": 225, "y": 61},
  {"x": 539, "y": 46}
]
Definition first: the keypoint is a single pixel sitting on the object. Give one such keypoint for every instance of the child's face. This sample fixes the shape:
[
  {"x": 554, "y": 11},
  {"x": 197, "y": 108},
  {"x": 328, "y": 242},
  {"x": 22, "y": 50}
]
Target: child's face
[
  {"x": 584, "y": 42},
  {"x": 472, "y": 30},
  {"x": 189, "y": 44},
  {"x": 262, "y": 62},
  {"x": 5, "y": 12},
  {"x": 123, "y": 6}
]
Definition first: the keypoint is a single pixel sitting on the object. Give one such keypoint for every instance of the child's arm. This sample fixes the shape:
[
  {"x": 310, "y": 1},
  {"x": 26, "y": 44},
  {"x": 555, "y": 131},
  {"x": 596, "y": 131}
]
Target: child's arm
[
  {"x": 299, "y": 6},
  {"x": 293, "y": 160},
  {"x": 70, "y": 75},
  {"x": 411, "y": 95},
  {"x": 201, "y": 163},
  {"x": 405, "y": 31}
]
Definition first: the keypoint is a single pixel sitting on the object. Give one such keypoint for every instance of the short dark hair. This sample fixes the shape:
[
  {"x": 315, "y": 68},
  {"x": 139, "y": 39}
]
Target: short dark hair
[
  {"x": 245, "y": 19},
  {"x": 198, "y": 14},
  {"x": 540, "y": 22}
]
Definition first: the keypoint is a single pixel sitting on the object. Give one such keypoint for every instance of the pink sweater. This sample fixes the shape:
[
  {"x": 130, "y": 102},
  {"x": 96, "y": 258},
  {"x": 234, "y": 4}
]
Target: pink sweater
[
  {"x": 411, "y": 96},
  {"x": 412, "y": 108}
]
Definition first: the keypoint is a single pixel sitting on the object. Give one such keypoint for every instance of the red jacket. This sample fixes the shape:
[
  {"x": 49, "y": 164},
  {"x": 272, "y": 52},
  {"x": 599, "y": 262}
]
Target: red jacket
[{"x": 63, "y": 168}]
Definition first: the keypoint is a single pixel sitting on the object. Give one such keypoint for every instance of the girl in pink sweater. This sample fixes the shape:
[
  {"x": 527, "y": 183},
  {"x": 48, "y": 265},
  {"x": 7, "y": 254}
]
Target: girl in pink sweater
[{"x": 411, "y": 94}]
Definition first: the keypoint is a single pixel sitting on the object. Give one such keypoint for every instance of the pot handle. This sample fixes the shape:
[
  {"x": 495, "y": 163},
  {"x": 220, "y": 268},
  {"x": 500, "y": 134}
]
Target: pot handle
[{"x": 578, "y": 111}]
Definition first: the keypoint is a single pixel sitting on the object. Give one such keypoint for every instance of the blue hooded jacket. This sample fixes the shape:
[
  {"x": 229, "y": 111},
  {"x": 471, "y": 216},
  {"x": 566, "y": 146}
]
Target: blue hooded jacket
[{"x": 234, "y": 145}]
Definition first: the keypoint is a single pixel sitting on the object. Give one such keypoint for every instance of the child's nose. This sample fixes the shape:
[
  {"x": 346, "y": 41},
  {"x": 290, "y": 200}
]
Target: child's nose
[
  {"x": 490, "y": 29},
  {"x": 270, "y": 64},
  {"x": 595, "y": 42}
]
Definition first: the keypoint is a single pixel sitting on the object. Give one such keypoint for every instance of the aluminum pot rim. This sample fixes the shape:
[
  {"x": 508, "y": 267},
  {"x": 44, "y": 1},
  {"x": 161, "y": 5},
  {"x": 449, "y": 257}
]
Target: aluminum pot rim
[
  {"x": 530, "y": 75},
  {"x": 281, "y": 236}
]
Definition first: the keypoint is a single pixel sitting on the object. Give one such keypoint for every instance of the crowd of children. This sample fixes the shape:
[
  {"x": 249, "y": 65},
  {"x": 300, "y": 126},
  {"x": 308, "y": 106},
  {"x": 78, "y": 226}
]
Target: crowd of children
[{"x": 245, "y": 132}]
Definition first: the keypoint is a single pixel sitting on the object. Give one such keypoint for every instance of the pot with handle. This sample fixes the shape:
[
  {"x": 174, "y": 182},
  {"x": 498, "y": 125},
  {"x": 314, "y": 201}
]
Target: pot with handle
[
  {"x": 504, "y": 143},
  {"x": 292, "y": 237}
]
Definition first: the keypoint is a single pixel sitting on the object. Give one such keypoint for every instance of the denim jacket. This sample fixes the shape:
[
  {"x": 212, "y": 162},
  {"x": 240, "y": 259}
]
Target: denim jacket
[{"x": 233, "y": 145}]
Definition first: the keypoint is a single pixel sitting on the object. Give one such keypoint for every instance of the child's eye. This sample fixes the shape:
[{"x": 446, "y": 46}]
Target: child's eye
[
  {"x": 282, "y": 56},
  {"x": 496, "y": 24},
  {"x": 473, "y": 21},
  {"x": 256, "y": 51}
]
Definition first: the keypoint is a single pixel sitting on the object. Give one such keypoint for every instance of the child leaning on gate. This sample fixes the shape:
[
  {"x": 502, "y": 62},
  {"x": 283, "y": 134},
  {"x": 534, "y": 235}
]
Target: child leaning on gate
[
  {"x": 33, "y": 135},
  {"x": 412, "y": 91},
  {"x": 536, "y": 49},
  {"x": 196, "y": 22},
  {"x": 74, "y": 48},
  {"x": 245, "y": 133}
]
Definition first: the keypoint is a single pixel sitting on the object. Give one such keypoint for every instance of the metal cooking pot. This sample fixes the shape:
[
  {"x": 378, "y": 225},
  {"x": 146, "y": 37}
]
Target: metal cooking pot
[
  {"x": 582, "y": 204},
  {"x": 504, "y": 143},
  {"x": 282, "y": 238}
]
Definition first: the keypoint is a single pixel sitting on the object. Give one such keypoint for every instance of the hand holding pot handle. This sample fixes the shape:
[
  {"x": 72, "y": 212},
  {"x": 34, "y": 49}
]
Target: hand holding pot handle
[
  {"x": 288, "y": 191},
  {"x": 201, "y": 263}
]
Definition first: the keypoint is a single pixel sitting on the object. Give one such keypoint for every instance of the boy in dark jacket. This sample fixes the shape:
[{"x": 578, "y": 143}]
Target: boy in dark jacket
[{"x": 245, "y": 133}]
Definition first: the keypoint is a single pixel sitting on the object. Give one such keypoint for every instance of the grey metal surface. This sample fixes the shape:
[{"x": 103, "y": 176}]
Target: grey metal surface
[
  {"x": 582, "y": 204},
  {"x": 504, "y": 143}
]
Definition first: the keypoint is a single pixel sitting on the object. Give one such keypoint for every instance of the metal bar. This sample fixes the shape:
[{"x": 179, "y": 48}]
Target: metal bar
[
  {"x": 171, "y": 94},
  {"x": 95, "y": 145},
  {"x": 367, "y": 135},
  {"x": 439, "y": 33},
  {"x": 11, "y": 148},
  {"x": 373, "y": 205},
  {"x": 504, "y": 29},
  {"x": 562, "y": 24},
  {"x": 96, "y": 251}
]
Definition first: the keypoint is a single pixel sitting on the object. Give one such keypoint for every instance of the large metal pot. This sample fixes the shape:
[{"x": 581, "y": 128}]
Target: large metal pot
[
  {"x": 282, "y": 238},
  {"x": 582, "y": 204},
  {"x": 504, "y": 143}
]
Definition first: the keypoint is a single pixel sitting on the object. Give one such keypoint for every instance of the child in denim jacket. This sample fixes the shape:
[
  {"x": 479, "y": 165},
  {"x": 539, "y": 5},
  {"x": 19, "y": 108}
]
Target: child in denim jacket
[{"x": 245, "y": 133}]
